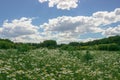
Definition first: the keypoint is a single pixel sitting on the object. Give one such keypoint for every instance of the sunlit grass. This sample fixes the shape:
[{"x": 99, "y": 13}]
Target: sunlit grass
[{"x": 44, "y": 64}]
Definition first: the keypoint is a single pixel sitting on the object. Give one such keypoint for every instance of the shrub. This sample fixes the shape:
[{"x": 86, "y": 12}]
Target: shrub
[
  {"x": 68, "y": 48},
  {"x": 6, "y": 45},
  {"x": 113, "y": 47},
  {"x": 64, "y": 47},
  {"x": 109, "y": 47},
  {"x": 23, "y": 48},
  {"x": 102, "y": 47},
  {"x": 87, "y": 56},
  {"x": 51, "y": 44},
  {"x": 84, "y": 47}
]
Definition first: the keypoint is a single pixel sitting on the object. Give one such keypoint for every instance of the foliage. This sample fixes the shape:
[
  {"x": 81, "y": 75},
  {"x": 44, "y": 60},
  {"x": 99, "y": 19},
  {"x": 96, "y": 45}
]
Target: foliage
[
  {"x": 110, "y": 43},
  {"x": 113, "y": 47},
  {"x": 84, "y": 47},
  {"x": 109, "y": 40},
  {"x": 49, "y": 44},
  {"x": 67, "y": 47},
  {"x": 87, "y": 56},
  {"x": 23, "y": 48},
  {"x": 74, "y": 43},
  {"x": 44, "y": 64},
  {"x": 4, "y": 44},
  {"x": 109, "y": 47}
]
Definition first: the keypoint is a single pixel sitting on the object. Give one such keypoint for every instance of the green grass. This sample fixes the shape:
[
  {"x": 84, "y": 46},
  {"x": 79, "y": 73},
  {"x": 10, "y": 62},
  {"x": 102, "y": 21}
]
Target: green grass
[{"x": 44, "y": 64}]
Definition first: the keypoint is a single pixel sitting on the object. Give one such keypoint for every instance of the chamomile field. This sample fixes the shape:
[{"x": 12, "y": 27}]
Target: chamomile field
[{"x": 55, "y": 64}]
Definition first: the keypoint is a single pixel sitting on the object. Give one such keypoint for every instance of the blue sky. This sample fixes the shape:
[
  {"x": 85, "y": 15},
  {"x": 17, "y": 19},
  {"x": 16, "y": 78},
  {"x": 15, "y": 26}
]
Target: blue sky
[{"x": 40, "y": 20}]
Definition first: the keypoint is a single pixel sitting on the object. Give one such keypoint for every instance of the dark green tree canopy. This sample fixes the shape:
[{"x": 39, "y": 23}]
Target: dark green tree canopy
[{"x": 49, "y": 43}]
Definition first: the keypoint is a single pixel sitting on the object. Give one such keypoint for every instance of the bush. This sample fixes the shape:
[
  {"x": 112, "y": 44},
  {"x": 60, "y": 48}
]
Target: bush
[
  {"x": 87, "y": 56},
  {"x": 84, "y": 47},
  {"x": 113, "y": 47},
  {"x": 109, "y": 47},
  {"x": 23, "y": 48},
  {"x": 64, "y": 47},
  {"x": 51, "y": 44},
  {"x": 6, "y": 45},
  {"x": 69, "y": 48},
  {"x": 102, "y": 47}
]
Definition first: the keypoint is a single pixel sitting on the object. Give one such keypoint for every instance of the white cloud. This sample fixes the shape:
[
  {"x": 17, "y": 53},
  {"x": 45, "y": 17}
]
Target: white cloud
[
  {"x": 41, "y": 1},
  {"x": 70, "y": 28},
  {"x": 63, "y": 29},
  {"x": 34, "y": 38},
  {"x": 67, "y": 40},
  {"x": 0, "y": 29},
  {"x": 62, "y": 4},
  {"x": 79, "y": 24},
  {"x": 111, "y": 31},
  {"x": 105, "y": 17},
  {"x": 117, "y": 11},
  {"x": 82, "y": 24},
  {"x": 89, "y": 39},
  {"x": 18, "y": 29}
]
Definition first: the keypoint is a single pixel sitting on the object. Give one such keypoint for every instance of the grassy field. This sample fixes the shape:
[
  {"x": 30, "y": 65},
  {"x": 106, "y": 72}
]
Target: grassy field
[{"x": 44, "y": 64}]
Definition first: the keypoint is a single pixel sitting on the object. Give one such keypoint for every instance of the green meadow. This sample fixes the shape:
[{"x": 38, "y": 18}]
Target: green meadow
[{"x": 57, "y": 64}]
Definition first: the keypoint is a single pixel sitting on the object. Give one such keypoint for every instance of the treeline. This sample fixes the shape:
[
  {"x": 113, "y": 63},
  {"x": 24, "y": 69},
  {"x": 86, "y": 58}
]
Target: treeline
[{"x": 110, "y": 44}]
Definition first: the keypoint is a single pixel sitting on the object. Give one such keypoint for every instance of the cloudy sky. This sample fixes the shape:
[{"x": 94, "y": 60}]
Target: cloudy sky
[{"x": 61, "y": 20}]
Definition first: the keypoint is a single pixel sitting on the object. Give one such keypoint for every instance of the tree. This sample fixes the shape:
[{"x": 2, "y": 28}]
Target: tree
[
  {"x": 23, "y": 48},
  {"x": 6, "y": 44},
  {"x": 74, "y": 43},
  {"x": 49, "y": 44}
]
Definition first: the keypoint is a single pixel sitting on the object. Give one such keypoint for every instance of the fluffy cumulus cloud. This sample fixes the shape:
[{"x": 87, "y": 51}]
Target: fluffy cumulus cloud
[
  {"x": 63, "y": 29},
  {"x": 20, "y": 30},
  {"x": 111, "y": 31},
  {"x": 34, "y": 38},
  {"x": 62, "y": 4},
  {"x": 105, "y": 17},
  {"x": 67, "y": 27}
]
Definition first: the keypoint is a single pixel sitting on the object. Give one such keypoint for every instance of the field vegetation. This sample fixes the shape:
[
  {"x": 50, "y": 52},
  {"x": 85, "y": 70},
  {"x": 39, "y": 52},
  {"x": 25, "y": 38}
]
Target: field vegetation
[
  {"x": 93, "y": 60},
  {"x": 56, "y": 64}
]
